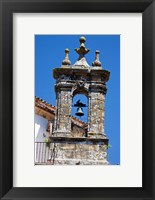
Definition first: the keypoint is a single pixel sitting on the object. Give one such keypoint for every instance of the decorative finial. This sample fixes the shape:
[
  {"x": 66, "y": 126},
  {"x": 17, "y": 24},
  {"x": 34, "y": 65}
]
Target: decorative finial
[
  {"x": 82, "y": 40},
  {"x": 66, "y": 61},
  {"x": 82, "y": 50},
  {"x": 96, "y": 63}
]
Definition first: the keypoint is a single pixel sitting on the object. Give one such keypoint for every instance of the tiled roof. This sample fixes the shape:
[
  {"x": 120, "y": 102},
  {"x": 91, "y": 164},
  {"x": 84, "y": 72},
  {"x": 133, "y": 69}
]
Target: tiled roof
[
  {"x": 40, "y": 103},
  {"x": 44, "y": 105}
]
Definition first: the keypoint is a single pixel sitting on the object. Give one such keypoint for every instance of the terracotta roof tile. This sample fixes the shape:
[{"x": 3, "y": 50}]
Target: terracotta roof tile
[{"x": 42, "y": 104}]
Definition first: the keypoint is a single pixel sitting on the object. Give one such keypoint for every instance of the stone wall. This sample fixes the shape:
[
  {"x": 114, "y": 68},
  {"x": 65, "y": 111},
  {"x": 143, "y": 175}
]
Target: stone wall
[
  {"x": 77, "y": 131},
  {"x": 79, "y": 154}
]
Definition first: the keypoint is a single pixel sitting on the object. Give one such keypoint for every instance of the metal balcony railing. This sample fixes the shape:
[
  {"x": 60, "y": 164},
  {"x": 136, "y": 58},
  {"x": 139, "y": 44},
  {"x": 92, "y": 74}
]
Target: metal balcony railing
[{"x": 42, "y": 152}]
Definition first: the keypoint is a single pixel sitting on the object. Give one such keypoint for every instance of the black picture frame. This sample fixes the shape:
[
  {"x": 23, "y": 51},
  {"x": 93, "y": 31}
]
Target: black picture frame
[{"x": 7, "y": 8}]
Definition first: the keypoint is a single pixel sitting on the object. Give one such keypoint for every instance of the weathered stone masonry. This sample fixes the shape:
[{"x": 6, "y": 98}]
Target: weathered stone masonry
[{"x": 69, "y": 148}]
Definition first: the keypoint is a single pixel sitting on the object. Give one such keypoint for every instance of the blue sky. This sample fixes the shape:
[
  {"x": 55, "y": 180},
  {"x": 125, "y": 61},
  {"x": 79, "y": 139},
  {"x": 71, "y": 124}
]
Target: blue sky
[{"x": 49, "y": 53}]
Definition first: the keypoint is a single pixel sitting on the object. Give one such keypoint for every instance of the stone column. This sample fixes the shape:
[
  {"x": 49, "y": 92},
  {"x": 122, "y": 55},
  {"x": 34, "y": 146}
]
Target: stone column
[
  {"x": 63, "y": 112},
  {"x": 96, "y": 112}
]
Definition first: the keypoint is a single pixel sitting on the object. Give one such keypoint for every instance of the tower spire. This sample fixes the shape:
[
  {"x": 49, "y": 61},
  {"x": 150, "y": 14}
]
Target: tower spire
[{"x": 82, "y": 50}]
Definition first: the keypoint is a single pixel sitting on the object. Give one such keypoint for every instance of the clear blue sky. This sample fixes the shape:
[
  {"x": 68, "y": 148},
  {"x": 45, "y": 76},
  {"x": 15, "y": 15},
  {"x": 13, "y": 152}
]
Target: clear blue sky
[{"x": 49, "y": 53}]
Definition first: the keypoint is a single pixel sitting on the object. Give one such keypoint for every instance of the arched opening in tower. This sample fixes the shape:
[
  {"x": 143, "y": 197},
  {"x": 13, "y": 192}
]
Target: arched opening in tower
[{"x": 80, "y": 107}]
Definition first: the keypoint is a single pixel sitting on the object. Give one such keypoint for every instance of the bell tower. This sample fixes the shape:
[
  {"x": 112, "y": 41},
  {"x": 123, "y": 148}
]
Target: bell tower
[{"x": 80, "y": 78}]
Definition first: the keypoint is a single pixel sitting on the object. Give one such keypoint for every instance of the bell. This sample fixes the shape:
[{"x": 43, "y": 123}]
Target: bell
[{"x": 79, "y": 112}]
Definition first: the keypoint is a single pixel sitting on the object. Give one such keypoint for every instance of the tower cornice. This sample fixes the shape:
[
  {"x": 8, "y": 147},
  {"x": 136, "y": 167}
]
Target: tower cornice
[{"x": 72, "y": 73}]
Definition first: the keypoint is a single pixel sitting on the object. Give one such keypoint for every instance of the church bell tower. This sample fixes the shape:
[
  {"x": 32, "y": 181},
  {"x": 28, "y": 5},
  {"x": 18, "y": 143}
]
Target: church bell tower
[{"x": 80, "y": 78}]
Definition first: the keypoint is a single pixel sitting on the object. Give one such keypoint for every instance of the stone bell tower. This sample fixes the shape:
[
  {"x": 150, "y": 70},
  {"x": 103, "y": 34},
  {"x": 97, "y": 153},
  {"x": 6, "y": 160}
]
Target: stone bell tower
[{"x": 80, "y": 78}]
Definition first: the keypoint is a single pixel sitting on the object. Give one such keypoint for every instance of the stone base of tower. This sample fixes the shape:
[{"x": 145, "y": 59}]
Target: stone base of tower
[
  {"x": 79, "y": 151},
  {"x": 78, "y": 162}
]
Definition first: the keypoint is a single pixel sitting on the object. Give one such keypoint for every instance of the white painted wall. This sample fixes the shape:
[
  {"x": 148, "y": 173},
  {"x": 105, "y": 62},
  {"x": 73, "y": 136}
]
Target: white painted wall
[{"x": 40, "y": 128}]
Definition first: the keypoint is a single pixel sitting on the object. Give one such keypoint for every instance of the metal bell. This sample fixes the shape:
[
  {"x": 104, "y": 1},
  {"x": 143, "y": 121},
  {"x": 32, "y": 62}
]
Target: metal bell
[{"x": 79, "y": 112}]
